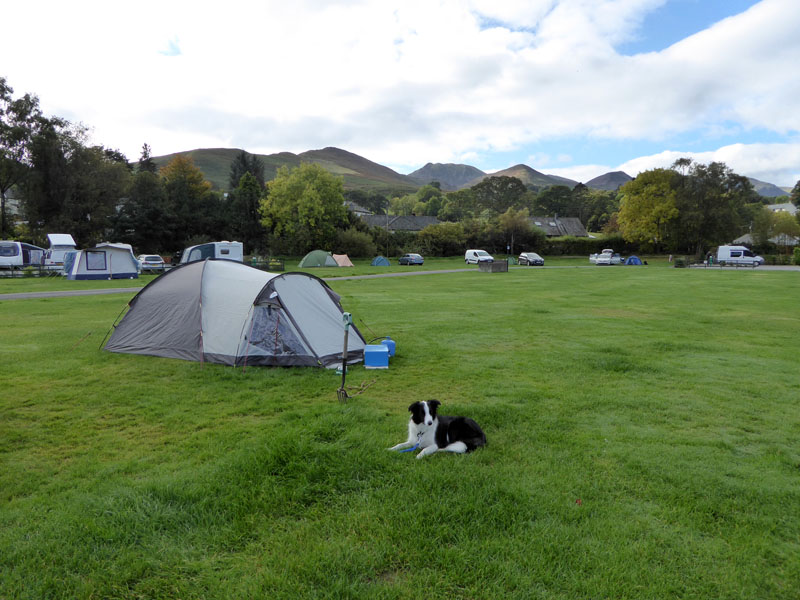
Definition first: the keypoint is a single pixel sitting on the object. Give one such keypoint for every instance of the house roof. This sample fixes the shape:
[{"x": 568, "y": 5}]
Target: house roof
[
  {"x": 779, "y": 240},
  {"x": 785, "y": 207},
  {"x": 357, "y": 208}
]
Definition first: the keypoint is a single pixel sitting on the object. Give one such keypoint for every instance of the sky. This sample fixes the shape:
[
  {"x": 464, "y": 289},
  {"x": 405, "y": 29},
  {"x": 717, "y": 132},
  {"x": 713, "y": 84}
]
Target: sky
[{"x": 575, "y": 88}]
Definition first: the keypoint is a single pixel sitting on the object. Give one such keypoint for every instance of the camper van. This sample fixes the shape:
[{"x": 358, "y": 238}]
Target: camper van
[
  {"x": 226, "y": 250},
  {"x": 60, "y": 244},
  {"x": 737, "y": 255},
  {"x": 18, "y": 255}
]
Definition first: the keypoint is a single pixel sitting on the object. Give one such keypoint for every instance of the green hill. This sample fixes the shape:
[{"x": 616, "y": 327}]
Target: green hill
[
  {"x": 450, "y": 176},
  {"x": 530, "y": 177},
  {"x": 358, "y": 172}
]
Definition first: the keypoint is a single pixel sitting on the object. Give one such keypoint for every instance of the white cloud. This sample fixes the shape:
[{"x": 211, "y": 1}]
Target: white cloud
[
  {"x": 403, "y": 84},
  {"x": 774, "y": 163}
]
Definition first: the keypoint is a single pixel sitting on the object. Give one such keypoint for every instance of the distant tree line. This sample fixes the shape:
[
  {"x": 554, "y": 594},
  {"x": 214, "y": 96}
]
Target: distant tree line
[
  {"x": 95, "y": 193},
  {"x": 692, "y": 207}
]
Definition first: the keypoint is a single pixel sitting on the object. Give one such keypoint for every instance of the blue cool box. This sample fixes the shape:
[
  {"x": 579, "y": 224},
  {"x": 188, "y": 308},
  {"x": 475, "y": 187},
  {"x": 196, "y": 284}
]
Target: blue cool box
[{"x": 376, "y": 356}]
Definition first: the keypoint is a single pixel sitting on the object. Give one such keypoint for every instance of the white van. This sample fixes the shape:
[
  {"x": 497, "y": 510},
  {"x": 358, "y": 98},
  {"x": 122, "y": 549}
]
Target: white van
[
  {"x": 737, "y": 255},
  {"x": 473, "y": 257},
  {"x": 226, "y": 250}
]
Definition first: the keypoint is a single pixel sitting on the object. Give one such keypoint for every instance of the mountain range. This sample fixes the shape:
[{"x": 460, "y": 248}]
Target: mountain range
[{"x": 362, "y": 174}]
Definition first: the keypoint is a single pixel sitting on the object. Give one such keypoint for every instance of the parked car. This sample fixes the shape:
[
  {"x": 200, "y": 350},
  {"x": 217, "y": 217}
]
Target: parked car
[
  {"x": 150, "y": 262},
  {"x": 606, "y": 257},
  {"x": 593, "y": 257},
  {"x": 531, "y": 259},
  {"x": 473, "y": 257},
  {"x": 411, "y": 259}
]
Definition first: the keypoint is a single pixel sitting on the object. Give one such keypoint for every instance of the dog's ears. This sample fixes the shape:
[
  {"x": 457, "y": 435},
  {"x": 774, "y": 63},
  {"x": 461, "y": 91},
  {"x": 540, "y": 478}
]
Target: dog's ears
[
  {"x": 434, "y": 403},
  {"x": 411, "y": 408}
]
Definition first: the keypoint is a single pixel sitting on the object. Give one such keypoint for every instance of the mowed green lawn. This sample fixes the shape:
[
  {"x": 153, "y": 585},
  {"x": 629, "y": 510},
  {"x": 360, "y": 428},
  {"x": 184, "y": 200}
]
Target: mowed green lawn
[{"x": 643, "y": 428}]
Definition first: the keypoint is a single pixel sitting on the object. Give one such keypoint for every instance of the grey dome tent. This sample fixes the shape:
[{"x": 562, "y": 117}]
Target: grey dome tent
[
  {"x": 318, "y": 258},
  {"x": 226, "y": 312},
  {"x": 379, "y": 261},
  {"x": 633, "y": 260}
]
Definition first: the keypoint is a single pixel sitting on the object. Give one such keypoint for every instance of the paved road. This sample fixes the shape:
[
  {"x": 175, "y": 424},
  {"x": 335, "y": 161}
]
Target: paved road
[{"x": 135, "y": 290}]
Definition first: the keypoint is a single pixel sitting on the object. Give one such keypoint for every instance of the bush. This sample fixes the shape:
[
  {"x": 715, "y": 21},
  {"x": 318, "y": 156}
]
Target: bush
[
  {"x": 355, "y": 244},
  {"x": 797, "y": 256},
  {"x": 444, "y": 239},
  {"x": 679, "y": 263}
]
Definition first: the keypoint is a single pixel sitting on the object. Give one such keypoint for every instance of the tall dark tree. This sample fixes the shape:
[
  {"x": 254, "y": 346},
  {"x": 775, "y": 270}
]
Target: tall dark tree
[
  {"x": 19, "y": 122},
  {"x": 146, "y": 162},
  {"x": 245, "y": 219},
  {"x": 143, "y": 220},
  {"x": 246, "y": 163},
  {"x": 498, "y": 194},
  {"x": 711, "y": 203},
  {"x": 372, "y": 201},
  {"x": 50, "y": 186},
  {"x": 556, "y": 200},
  {"x": 795, "y": 195},
  {"x": 197, "y": 210},
  {"x": 72, "y": 187}
]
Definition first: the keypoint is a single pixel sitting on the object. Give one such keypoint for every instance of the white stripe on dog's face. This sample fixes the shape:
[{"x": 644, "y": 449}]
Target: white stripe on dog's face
[{"x": 428, "y": 419}]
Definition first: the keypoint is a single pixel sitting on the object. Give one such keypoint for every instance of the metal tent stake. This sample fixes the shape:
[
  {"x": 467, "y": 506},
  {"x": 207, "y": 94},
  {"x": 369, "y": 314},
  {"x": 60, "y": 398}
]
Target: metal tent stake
[{"x": 347, "y": 319}]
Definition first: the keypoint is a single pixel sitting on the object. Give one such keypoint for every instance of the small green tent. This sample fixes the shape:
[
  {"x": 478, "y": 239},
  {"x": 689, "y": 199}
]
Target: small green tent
[
  {"x": 317, "y": 258},
  {"x": 379, "y": 261}
]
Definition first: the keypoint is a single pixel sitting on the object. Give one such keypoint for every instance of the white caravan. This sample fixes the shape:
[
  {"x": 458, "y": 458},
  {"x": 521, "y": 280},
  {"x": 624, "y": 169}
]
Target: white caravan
[
  {"x": 60, "y": 244},
  {"x": 226, "y": 250}
]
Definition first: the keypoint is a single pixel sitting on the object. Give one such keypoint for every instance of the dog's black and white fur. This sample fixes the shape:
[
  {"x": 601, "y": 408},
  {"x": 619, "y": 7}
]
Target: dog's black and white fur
[{"x": 437, "y": 432}]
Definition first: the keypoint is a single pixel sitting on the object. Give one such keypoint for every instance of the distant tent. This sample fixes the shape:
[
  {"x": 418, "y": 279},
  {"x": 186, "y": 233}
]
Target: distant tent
[
  {"x": 379, "y": 261},
  {"x": 343, "y": 260},
  {"x": 227, "y": 312},
  {"x": 104, "y": 261},
  {"x": 317, "y": 258},
  {"x": 633, "y": 260}
]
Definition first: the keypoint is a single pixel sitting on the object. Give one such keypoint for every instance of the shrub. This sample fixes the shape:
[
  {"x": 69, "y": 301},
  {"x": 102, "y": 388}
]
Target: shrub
[
  {"x": 444, "y": 239},
  {"x": 797, "y": 256},
  {"x": 679, "y": 263},
  {"x": 355, "y": 243}
]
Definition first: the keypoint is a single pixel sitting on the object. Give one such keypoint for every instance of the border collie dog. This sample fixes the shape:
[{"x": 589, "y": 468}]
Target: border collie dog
[{"x": 433, "y": 432}]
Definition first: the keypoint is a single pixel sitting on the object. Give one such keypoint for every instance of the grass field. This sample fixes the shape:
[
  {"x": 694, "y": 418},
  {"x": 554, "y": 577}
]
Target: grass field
[{"x": 643, "y": 428}]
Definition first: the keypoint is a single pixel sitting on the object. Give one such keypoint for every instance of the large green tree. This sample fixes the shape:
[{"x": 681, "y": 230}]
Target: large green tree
[
  {"x": 517, "y": 227},
  {"x": 711, "y": 201},
  {"x": 647, "y": 206},
  {"x": 304, "y": 207},
  {"x": 498, "y": 194},
  {"x": 556, "y": 200},
  {"x": 785, "y": 229},
  {"x": 19, "y": 122},
  {"x": 72, "y": 187},
  {"x": 196, "y": 209}
]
